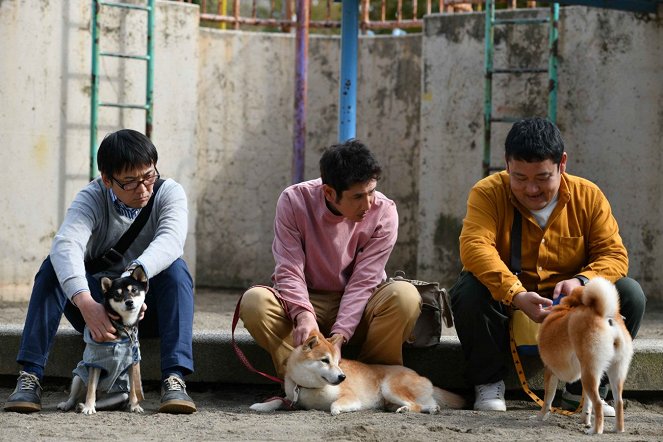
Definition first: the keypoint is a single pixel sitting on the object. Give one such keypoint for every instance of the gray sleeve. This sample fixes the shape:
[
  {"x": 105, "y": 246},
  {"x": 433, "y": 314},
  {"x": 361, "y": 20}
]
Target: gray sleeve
[
  {"x": 169, "y": 234},
  {"x": 69, "y": 245}
]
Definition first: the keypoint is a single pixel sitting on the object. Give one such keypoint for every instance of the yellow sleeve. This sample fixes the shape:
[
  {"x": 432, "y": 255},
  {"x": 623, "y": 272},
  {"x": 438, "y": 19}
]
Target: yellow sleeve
[{"x": 484, "y": 221}]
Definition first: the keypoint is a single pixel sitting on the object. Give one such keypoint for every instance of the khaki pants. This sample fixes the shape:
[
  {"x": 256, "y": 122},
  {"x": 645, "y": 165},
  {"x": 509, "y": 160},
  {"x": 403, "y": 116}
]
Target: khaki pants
[{"x": 387, "y": 322}]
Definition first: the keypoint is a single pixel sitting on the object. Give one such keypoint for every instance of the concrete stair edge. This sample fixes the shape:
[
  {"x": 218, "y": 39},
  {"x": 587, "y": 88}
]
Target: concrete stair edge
[{"x": 216, "y": 361}]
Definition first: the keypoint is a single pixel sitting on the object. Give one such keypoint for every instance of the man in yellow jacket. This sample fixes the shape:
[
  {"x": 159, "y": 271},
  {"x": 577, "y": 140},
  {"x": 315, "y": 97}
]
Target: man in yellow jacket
[{"x": 568, "y": 236}]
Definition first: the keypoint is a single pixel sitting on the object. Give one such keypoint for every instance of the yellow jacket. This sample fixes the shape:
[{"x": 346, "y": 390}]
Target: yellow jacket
[{"x": 581, "y": 238}]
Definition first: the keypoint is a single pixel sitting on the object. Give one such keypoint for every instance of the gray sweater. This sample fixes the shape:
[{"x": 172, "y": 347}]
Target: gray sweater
[{"x": 92, "y": 225}]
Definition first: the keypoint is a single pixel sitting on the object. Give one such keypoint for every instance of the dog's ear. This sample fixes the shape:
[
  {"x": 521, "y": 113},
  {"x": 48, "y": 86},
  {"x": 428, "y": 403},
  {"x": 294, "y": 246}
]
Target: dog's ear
[
  {"x": 105, "y": 284},
  {"x": 139, "y": 274},
  {"x": 335, "y": 338},
  {"x": 311, "y": 342}
]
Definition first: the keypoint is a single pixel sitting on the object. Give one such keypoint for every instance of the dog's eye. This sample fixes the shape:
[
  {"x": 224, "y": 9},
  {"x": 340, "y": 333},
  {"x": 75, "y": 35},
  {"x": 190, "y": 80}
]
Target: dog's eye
[{"x": 325, "y": 360}]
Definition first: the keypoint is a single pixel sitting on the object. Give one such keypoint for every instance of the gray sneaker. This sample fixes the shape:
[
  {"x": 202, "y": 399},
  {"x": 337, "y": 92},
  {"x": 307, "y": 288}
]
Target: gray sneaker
[
  {"x": 26, "y": 397},
  {"x": 174, "y": 398}
]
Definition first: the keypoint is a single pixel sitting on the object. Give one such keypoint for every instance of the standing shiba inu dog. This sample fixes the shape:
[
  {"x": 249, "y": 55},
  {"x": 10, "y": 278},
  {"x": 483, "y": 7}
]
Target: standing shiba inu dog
[
  {"x": 113, "y": 367},
  {"x": 583, "y": 338},
  {"x": 317, "y": 379}
]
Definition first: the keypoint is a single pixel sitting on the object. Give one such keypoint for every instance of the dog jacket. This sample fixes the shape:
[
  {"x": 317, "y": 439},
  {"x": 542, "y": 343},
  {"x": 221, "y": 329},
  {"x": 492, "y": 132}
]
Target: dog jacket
[{"x": 114, "y": 358}]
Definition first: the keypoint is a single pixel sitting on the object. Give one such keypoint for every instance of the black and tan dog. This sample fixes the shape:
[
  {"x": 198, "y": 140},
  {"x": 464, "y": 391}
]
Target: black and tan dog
[{"x": 112, "y": 369}]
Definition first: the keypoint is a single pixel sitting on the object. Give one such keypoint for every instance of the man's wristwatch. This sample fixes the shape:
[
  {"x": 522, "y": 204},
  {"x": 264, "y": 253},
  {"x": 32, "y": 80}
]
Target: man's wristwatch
[{"x": 583, "y": 279}]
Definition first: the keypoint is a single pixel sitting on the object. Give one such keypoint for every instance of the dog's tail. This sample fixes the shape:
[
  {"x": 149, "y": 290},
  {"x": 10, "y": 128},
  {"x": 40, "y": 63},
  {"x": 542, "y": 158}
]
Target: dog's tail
[
  {"x": 447, "y": 399},
  {"x": 601, "y": 296}
]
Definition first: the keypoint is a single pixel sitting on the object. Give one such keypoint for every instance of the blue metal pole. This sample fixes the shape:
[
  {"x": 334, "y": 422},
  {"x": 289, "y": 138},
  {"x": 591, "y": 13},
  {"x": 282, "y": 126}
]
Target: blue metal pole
[{"x": 347, "y": 112}]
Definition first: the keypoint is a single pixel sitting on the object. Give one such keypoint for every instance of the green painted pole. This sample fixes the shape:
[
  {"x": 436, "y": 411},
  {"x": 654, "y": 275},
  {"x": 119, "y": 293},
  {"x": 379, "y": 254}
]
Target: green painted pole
[
  {"x": 488, "y": 84},
  {"x": 94, "y": 92},
  {"x": 552, "y": 62}
]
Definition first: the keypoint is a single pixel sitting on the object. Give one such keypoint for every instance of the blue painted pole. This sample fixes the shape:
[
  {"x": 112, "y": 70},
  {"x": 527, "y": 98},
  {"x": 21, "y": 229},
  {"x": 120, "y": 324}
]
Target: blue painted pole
[{"x": 347, "y": 111}]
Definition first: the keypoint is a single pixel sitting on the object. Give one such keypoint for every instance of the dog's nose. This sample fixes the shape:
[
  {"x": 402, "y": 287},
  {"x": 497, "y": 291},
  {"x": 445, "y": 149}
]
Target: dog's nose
[
  {"x": 341, "y": 378},
  {"x": 129, "y": 303}
]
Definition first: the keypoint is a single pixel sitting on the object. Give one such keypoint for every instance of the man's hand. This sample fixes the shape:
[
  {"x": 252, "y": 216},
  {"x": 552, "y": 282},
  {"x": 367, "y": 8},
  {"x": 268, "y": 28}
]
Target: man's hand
[
  {"x": 95, "y": 318},
  {"x": 565, "y": 287},
  {"x": 305, "y": 323},
  {"x": 532, "y": 305}
]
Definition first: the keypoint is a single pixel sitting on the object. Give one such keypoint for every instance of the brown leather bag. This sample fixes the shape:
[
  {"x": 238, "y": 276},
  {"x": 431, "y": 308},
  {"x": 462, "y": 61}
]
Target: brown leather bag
[{"x": 435, "y": 309}]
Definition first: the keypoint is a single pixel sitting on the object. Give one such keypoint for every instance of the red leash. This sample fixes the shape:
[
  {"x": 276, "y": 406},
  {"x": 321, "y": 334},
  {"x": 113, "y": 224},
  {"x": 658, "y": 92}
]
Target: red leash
[{"x": 239, "y": 352}]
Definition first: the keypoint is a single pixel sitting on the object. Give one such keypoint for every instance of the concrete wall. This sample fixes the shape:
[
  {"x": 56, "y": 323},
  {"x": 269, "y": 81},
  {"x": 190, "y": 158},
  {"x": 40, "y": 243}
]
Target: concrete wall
[
  {"x": 246, "y": 111},
  {"x": 45, "y": 114},
  {"x": 224, "y": 117},
  {"x": 610, "y": 113}
]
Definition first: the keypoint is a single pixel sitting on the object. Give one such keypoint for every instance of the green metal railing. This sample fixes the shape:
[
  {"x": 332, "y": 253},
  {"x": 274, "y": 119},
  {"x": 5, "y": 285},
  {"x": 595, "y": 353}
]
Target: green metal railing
[
  {"x": 95, "y": 104},
  {"x": 490, "y": 70}
]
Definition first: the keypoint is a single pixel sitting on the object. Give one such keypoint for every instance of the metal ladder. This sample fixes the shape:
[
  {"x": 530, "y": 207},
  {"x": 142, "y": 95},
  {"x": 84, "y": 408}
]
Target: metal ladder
[
  {"x": 96, "y": 53},
  {"x": 490, "y": 70}
]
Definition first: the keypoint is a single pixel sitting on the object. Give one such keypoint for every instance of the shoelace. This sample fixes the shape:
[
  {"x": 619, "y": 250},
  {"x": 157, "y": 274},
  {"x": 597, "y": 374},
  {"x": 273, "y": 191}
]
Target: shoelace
[
  {"x": 174, "y": 383},
  {"x": 28, "y": 381},
  {"x": 483, "y": 391}
]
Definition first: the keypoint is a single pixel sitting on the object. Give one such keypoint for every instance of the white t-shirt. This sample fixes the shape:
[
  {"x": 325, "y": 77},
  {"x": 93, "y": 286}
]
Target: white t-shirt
[{"x": 543, "y": 214}]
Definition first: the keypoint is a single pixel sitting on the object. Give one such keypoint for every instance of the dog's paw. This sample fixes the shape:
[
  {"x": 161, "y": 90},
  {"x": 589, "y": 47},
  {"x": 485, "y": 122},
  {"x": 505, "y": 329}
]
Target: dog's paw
[
  {"x": 136, "y": 409},
  {"x": 403, "y": 409},
  {"x": 65, "y": 406},
  {"x": 433, "y": 410},
  {"x": 264, "y": 407},
  {"x": 543, "y": 416},
  {"x": 335, "y": 410},
  {"x": 83, "y": 408}
]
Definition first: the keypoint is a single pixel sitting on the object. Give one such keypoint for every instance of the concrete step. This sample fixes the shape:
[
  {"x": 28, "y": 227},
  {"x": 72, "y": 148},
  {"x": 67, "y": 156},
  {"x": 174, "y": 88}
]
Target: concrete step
[{"x": 216, "y": 361}]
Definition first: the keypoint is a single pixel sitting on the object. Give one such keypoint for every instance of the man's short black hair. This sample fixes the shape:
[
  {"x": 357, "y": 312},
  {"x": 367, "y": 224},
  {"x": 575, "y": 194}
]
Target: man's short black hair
[
  {"x": 534, "y": 140},
  {"x": 346, "y": 164},
  {"x": 123, "y": 150}
]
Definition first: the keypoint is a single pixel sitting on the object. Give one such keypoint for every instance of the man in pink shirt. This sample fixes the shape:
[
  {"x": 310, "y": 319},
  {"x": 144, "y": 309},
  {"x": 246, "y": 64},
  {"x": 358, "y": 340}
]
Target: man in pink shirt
[{"x": 332, "y": 238}]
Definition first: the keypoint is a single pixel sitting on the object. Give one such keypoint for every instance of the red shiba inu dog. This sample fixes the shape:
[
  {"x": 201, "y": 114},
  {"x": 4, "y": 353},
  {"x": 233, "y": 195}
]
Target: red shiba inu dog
[
  {"x": 582, "y": 338},
  {"x": 317, "y": 378}
]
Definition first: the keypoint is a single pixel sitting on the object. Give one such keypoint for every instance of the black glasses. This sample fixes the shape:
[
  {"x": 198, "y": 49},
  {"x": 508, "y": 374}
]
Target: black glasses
[{"x": 133, "y": 185}]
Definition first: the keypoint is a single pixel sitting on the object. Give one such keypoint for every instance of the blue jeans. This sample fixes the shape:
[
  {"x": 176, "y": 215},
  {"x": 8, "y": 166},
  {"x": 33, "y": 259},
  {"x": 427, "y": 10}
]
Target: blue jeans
[{"x": 169, "y": 316}]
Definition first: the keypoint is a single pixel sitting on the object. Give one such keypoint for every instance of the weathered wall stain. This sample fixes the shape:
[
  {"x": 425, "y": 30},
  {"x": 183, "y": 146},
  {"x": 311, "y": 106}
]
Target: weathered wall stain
[{"x": 447, "y": 232}]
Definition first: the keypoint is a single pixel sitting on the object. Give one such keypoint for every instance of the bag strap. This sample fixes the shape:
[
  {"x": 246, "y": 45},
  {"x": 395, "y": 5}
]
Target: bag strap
[
  {"x": 240, "y": 354},
  {"x": 523, "y": 379},
  {"x": 115, "y": 253},
  {"x": 516, "y": 241}
]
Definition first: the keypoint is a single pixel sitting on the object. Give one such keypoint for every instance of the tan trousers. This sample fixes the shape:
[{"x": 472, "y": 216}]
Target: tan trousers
[{"x": 386, "y": 324}]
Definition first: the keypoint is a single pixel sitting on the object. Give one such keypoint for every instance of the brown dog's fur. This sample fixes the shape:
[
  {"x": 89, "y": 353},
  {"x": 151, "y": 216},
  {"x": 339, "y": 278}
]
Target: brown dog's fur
[
  {"x": 317, "y": 378},
  {"x": 582, "y": 338}
]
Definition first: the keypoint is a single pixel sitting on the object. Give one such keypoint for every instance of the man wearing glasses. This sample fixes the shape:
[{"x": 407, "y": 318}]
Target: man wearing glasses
[
  {"x": 568, "y": 236},
  {"x": 99, "y": 215}
]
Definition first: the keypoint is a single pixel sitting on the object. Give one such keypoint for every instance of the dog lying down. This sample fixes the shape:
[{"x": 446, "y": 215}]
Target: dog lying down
[
  {"x": 113, "y": 367},
  {"x": 582, "y": 338},
  {"x": 317, "y": 379}
]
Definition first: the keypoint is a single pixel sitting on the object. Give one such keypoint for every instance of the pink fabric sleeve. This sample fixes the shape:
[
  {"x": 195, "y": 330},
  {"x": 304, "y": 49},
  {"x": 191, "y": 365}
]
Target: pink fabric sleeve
[
  {"x": 290, "y": 259},
  {"x": 368, "y": 272}
]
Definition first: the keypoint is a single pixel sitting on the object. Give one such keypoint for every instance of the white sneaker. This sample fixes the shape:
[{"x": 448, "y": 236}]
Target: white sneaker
[
  {"x": 489, "y": 397},
  {"x": 571, "y": 402}
]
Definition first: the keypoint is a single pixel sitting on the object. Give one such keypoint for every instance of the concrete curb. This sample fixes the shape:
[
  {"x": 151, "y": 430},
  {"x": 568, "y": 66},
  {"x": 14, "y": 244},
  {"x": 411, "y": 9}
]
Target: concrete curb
[{"x": 216, "y": 361}]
